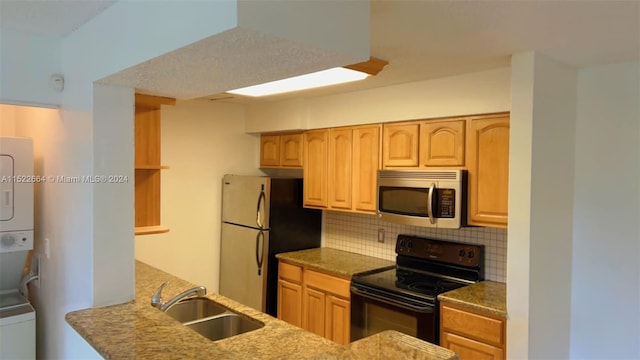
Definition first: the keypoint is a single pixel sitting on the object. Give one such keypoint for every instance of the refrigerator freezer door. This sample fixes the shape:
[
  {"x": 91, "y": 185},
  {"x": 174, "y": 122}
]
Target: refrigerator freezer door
[
  {"x": 241, "y": 278},
  {"x": 245, "y": 200}
]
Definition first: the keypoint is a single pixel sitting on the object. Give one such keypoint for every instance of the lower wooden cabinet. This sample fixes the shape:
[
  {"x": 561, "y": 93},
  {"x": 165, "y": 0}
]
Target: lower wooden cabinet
[
  {"x": 472, "y": 335},
  {"x": 315, "y": 301},
  {"x": 470, "y": 349},
  {"x": 290, "y": 302}
]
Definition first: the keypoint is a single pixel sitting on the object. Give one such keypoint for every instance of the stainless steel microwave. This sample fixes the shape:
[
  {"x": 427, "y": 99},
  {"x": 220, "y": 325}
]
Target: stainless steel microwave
[{"x": 428, "y": 198}]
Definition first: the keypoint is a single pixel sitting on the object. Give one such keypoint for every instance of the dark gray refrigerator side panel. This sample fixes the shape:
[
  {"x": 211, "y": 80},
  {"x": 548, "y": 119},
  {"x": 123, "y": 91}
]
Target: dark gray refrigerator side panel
[{"x": 292, "y": 228}]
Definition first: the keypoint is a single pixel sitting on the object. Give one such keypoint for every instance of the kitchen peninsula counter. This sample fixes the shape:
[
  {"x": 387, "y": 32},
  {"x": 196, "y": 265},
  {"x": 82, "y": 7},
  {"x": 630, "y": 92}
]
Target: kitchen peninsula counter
[
  {"x": 486, "y": 296},
  {"x": 137, "y": 330},
  {"x": 333, "y": 261}
]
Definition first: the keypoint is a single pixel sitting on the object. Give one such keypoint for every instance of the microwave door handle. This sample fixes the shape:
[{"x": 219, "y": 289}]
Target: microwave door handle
[{"x": 430, "y": 203}]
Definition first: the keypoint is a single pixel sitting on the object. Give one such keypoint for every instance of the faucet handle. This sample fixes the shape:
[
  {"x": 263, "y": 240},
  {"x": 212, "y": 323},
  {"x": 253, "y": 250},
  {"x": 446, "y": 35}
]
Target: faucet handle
[{"x": 156, "y": 299}]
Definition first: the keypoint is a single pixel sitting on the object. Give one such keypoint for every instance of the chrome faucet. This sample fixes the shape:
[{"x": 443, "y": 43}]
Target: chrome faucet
[{"x": 156, "y": 300}]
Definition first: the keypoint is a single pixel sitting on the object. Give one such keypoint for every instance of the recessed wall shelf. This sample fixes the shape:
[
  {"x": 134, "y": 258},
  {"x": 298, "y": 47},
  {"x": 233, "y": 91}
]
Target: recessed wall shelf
[{"x": 148, "y": 166}]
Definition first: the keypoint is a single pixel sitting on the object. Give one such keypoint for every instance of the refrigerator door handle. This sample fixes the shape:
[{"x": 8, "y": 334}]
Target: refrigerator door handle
[
  {"x": 261, "y": 198},
  {"x": 260, "y": 251}
]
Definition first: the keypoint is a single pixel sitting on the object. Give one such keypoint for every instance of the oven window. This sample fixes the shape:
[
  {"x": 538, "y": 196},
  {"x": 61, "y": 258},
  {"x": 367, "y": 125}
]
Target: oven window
[
  {"x": 378, "y": 318},
  {"x": 403, "y": 200}
]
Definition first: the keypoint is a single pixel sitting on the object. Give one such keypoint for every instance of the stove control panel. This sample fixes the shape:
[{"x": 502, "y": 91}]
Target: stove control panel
[{"x": 438, "y": 250}]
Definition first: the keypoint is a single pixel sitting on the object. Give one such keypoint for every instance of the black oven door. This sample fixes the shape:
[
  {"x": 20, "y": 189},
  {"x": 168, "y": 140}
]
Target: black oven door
[{"x": 374, "y": 310}]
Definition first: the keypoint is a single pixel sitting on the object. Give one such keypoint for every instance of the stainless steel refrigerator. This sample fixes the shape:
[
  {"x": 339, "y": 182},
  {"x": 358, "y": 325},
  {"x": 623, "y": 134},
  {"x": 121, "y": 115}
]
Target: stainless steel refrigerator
[{"x": 261, "y": 217}]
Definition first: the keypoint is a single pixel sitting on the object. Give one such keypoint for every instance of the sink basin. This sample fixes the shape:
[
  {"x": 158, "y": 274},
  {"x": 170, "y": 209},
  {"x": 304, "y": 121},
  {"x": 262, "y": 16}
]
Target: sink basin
[
  {"x": 211, "y": 319},
  {"x": 224, "y": 326},
  {"x": 194, "y": 309}
]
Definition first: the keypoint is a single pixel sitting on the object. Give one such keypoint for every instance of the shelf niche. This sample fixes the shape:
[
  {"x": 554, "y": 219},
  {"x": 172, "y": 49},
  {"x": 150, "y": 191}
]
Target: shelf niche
[{"x": 147, "y": 163}]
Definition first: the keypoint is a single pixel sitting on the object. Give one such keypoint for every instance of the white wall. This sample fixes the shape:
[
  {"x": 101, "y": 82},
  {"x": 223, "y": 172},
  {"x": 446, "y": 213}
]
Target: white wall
[
  {"x": 201, "y": 141},
  {"x": 26, "y": 63},
  {"x": 66, "y": 284},
  {"x": 113, "y": 162},
  {"x": 475, "y": 93},
  {"x": 540, "y": 207},
  {"x": 605, "y": 306}
]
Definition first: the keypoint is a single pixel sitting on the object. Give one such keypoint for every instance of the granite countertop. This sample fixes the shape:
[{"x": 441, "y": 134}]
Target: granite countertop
[
  {"x": 486, "y": 296},
  {"x": 137, "y": 330},
  {"x": 336, "y": 262}
]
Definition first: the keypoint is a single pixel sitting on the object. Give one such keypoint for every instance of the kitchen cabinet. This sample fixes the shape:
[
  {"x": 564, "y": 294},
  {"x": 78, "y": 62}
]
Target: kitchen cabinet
[
  {"x": 315, "y": 171},
  {"x": 366, "y": 162},
  {"x": 147, "y": 163},
  {"x": 290, "y": 293},
  {"x": 342, "y": 163},
  {"x": 472, "y": 335},
  {"x": 340, "y": 168},
  {"x": 324, "y": 305},
  {"x": 354, "y": 160},
  {"x": 281, "y": 150},
  {"x": 400, "y": 144},
  {"x": 442, "y": 142},
  {"x": 488, "y": 170}
]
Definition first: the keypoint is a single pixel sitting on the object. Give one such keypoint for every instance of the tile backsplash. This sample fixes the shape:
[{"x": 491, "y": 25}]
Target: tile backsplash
[{"x": 358, "y": 233}]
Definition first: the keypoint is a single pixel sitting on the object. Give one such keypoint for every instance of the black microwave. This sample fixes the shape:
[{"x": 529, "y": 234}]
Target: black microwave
[{"x": 428, "y": 198}]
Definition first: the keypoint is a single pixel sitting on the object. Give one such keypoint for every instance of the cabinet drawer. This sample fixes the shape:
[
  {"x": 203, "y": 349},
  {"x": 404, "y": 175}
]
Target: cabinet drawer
[
  {"x": 290, "y": 272},
  {"x": 327, "y": 283},
  {"x": 475, "y": 326}
]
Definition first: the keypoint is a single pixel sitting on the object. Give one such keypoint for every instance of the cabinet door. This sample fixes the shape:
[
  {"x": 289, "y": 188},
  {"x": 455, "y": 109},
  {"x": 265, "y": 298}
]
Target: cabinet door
[
  {"x": 400, "y": 145},
  {"x": 340, "y": 167},
  {"x": 269, "y": 150},
  {"x": 468, "y": 349},
  {"x": 291, "y": 150},
  {"x": 315, "y": 169},
  {"x": 313, "y": 304},
  {"x": 290, "y": 302},
  {"x": 338, "y": 320},
  {"x": 366, "y": 162},
  {"x": 488, "y": 170},
  {"x": 442, "y": 143}
]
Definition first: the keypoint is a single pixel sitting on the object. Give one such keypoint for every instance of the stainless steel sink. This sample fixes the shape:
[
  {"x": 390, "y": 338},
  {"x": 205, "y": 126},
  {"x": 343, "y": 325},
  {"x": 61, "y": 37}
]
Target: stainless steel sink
[
  {"x": 211, "y": 319},
  {"x": 194, "y": 309},
  {"x": 224, "y": 326}
]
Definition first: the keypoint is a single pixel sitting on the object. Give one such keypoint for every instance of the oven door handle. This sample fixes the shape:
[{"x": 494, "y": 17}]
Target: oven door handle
[{"x": 422, "y": 309}]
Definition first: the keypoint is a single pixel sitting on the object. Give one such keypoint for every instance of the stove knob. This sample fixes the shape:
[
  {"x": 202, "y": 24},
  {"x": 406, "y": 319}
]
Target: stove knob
[
  {"x": 8, "y": 240},
  {"x": 409, "y": 244},
  {"x": 461, "y": 252},
  {"x": 471, "y": 254}
]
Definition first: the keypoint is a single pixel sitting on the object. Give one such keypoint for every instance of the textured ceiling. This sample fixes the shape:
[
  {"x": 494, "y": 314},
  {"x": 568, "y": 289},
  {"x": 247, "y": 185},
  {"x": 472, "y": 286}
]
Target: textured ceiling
[
  {"x": 420, "y": 40},
  {"x": 229, "y": 60}
]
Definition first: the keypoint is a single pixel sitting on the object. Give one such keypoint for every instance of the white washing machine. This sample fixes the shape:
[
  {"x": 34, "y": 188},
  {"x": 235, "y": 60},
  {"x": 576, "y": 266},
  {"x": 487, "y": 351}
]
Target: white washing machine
[{"x": 17, "y": 316}]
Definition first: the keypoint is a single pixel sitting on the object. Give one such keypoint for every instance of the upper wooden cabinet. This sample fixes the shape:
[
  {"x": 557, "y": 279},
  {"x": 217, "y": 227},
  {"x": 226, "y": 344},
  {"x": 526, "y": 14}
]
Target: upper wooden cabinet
[
  {"x": 315, "y": 171},
  {"x": 281, "y": 150},
  {"x": 400, "y": 144},
  {"x": 147, "y": 163},
  {"x": 442, "y": 142},
  {"x": 420, "y": 143},
  {"x": 352, "y": 165},
  {"x": 366, "y": 162},
  {"x": 340, "y": 168},
  {"x": 488, "y": 170}
]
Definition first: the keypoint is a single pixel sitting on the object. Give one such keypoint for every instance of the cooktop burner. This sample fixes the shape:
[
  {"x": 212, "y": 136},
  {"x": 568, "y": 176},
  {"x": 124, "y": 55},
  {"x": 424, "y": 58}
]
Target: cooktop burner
[
  {"x": 408, "y": 282},
  {"x": 426, "y": 268}
]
